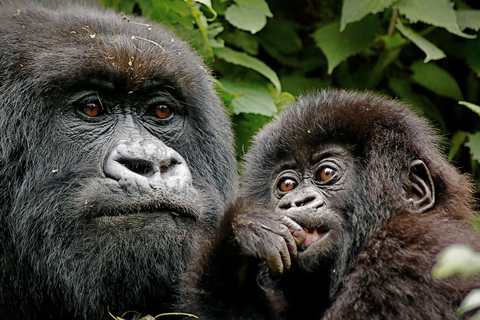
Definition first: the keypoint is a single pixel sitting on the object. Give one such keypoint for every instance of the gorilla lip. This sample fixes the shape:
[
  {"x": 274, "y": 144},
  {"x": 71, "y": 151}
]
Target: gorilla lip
[
  {"x": 313, "y": 235},
  {"x": 134, "y": 210}
]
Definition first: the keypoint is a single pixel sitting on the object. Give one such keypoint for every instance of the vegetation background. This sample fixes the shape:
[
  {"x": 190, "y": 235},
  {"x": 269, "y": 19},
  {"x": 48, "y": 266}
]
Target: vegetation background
[{"x": 264, "y": 53}]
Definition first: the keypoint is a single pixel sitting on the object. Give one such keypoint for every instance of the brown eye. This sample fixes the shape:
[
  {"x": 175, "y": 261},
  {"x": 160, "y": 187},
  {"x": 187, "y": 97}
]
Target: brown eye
[
  {"x": 91, "y": 109},
  {"x": 162, "y": 112},
  {"x": 287, "y": 184},
  {"x": 325, "y": 174}
]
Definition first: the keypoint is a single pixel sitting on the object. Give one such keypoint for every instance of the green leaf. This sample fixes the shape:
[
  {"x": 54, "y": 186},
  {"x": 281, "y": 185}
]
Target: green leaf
[
  {"x": 384, "y": 60},
  {"x": 245, "y": 125},
  {"x": 394, "y": 41},
  {"x": 208, "y": 4},
  {"x": 244, "y": 60},
  {"x": 472, "y": 57},
  {"x": 439, "y": 13},
  {"x": 299, "y": 84},
  {"x": 338, "y": 46},
  {"x": 275, "y": 34},
  {"x": 432, "y": 52},
  {"x": 253, "y": 97},
  {"x": 457, "y": 259},
  {"x": 355, "y": 10},
  {"x": 471, "y": 302},
  {"x": 436, "y": 79},
  {"x": 242, "y": 40},
  {"x": 419, "y": 102},
  {"x": 213, "y": 30},
  {"x": 249, "y": 15},
  {"x": 468, "y": 19},
  {"x": 281, "y": 100},
  {"x": 474, "y": 145},
  {"x": 470, "y": 106},
  {"x": 456, "y": 142}
]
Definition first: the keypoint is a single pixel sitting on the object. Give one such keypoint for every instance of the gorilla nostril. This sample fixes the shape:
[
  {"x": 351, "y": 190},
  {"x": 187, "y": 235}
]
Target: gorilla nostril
[
  {"x": 167, "y": 164},
  {"x": 138, "y": 166},
  {"x": 304, "y": 201},
  {"x": 285, "y": 206}
]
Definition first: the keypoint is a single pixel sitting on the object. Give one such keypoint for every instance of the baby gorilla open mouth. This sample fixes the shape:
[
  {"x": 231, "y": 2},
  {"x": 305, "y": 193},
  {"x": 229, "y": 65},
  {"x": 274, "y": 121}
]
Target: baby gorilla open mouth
[{"x": 313, "y": 235}]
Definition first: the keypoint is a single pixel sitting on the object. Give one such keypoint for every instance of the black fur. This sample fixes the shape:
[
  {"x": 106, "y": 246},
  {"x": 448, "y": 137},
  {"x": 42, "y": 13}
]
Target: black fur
[
  {"x": 102, "y": 214},
  {"x": 392, "y": 204}
]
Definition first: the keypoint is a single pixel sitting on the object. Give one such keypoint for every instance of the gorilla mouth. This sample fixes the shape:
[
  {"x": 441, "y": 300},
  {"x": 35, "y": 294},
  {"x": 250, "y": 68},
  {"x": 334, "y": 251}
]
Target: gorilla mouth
[
  {"x": 153, "y": 210},
  {"x": 314, "y": 234}
]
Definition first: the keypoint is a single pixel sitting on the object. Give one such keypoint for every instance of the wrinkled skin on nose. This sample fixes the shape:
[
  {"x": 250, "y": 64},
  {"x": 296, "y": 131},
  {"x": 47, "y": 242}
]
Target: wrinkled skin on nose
[{"x": 147, "y": 164}]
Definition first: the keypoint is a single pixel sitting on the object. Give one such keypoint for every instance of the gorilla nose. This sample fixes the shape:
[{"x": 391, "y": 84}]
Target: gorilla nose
[
  {"x": 148, "y": 164},
  {"x": 307, "y": 198}
]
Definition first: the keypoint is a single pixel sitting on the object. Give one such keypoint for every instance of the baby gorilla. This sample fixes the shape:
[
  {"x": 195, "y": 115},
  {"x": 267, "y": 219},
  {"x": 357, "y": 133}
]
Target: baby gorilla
[{"x": 347, "y": 200}]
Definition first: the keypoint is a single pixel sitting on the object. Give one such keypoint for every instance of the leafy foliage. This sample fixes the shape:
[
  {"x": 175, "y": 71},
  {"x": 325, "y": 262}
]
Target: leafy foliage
[
  {"x": 264, "y": 52},
  {"x": 462, "y": 260}
]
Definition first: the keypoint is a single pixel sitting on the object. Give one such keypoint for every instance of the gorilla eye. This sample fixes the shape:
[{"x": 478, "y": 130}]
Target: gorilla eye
[
  {"x": 287, "y": 184},
  {"x": 325, "y": 174},
  {"x": 159, "y": 111},
  {"x": 162, "y": 112},
  {"x": 91, "y": 109}
]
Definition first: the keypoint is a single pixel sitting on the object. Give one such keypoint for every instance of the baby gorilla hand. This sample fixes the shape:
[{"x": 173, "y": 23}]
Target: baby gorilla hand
[{"x": 262, "y": 234}]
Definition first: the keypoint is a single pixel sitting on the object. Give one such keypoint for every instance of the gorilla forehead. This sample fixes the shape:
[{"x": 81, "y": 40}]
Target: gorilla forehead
[
  {"x": 376, "y": 130},
  {"x": 348, "y": 118},
  {"x": 127, "y": 51}
]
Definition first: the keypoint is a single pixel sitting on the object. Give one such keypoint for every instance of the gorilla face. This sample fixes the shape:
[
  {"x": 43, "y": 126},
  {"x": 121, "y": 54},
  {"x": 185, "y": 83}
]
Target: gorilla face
[
  {"x": 117, "y": 160},
  {"x": 314, "y": 193}
]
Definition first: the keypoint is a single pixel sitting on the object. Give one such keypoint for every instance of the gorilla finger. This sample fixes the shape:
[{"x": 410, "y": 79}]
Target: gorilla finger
[
  {"x": 275, "y": 265},
  {"x": 295, "y": 229},
  {"x": 285, "y": 255},
  {"x": 290, "y": 241}
]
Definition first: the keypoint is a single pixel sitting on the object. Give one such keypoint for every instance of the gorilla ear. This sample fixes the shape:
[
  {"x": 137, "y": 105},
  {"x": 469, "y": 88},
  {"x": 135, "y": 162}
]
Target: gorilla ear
[{"x": 420, "y": 191}]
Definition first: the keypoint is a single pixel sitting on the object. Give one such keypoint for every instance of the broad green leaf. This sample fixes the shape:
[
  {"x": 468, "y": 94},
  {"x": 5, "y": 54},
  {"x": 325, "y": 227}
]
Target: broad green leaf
[
  {"x": 394, "y": 41},
  {"x": 472, "y": 48},
  {"x": 456, "y": 142},
  {"x": 470, "y": 106},
  {"x": 298, "y": 84},
  {"x": 338, "y": 46},
  {"x": 258, "y": 5},
  {"x": 457, "y": 259},
  {"x": 246, "y": 125},
  {"x": 474, "y": 145},
  {"x": 471, "y": 302},
  {"x": 242, "y": 40},
  {"x": 253, "y": 97},
  {"x": 439, "y": 13},
  {"x": 468, "y": 19},
  {"x": 432, "y": 52},
  {"x": 244, "y": 60},
  {"x": 355, "y": 10},
  {"x": 419, "y": 102},
  {"x": 275, "y": 34},
  {"x": 249, "y": 15},
  {"x": 384, "y": 60},
  {"x": 281, "y": 100},
  {"x": 436, "y": 79}
]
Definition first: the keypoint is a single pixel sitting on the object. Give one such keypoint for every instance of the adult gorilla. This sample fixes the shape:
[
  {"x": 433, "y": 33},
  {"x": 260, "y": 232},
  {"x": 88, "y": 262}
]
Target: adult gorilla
[
  {"x": 352, "y": 195},
  {"x": 116, "y": 159}
]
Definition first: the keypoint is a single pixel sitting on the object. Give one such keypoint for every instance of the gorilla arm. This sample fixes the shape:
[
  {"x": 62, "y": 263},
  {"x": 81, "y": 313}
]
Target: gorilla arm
[{"x": 233, "y": 281}]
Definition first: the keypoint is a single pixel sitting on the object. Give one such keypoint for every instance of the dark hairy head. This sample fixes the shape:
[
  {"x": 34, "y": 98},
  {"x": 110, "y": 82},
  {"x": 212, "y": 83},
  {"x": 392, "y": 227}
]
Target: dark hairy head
[
  {"x": 341, "y": 164},
  {"x": 116, "y": 159}
]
